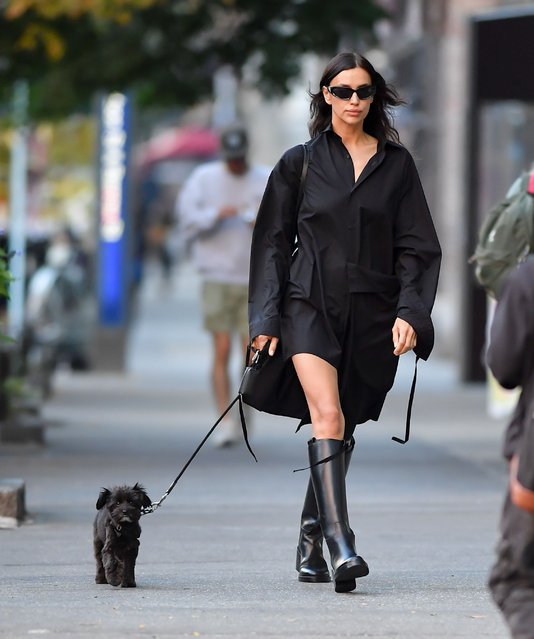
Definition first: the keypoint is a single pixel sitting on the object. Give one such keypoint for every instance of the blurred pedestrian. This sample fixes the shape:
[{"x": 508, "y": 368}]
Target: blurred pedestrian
[
  {"x": 217, "y": 208},
  {"x": 154, "y": 222},
  {"x": 158, "y": 229},
  {"x": 511, "y": 359},
  {"x": 356, "y": 293}
]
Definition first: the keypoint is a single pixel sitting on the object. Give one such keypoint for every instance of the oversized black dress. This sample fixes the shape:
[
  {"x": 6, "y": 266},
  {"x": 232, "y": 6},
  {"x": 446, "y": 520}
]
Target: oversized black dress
[{"x": 367, "y": 253}]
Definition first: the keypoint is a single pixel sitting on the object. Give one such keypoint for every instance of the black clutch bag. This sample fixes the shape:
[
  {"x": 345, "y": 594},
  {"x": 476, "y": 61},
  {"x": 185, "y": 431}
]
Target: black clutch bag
[
  {"x": 261, "y": 378},
  {"x": 270, "y": 384}
]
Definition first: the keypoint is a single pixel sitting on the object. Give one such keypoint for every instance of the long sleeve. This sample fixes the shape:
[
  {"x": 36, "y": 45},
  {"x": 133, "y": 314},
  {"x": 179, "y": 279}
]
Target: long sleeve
[
  {"x": 196, "y": 214},
  {"x": 417, "y": 260},
  {"x": 272, "y": 244},
  {"x": 511, "y": 359},
  {"x": 511, "y": 350}
]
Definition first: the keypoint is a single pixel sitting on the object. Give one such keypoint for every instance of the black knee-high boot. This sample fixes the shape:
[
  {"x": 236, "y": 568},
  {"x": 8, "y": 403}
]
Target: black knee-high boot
[
  {"x": 310, "y": 564},
  {"x": 329, "y": 485}
]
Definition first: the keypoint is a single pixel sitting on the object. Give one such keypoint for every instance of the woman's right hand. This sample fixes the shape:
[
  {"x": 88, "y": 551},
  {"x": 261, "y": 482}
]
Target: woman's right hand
[{"x": 260, "y": 340}]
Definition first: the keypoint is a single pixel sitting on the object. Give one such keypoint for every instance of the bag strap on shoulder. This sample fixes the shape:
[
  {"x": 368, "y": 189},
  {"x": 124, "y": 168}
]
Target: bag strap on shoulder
[
  {"x": 300, "y": 196},
  {"x": 304, "y": 172}
]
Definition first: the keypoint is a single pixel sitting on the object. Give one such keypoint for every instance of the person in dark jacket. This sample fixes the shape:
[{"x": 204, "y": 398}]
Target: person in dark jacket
[
  {"x": 355, "y": 294},
  {"x": 511, "y": 359}
]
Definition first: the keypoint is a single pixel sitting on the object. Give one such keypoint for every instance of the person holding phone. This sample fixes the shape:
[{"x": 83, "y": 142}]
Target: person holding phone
[{"x": 216, "y": 209}]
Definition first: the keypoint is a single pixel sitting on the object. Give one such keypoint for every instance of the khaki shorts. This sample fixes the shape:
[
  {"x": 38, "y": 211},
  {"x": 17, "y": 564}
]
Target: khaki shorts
[{"x": 225, "y": 308}]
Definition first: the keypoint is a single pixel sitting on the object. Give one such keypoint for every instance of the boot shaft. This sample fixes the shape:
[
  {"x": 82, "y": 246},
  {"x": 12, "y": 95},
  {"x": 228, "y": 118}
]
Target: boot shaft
[
  {"x": 327, "y": 469},
  {"x": 310, "y": 515}
]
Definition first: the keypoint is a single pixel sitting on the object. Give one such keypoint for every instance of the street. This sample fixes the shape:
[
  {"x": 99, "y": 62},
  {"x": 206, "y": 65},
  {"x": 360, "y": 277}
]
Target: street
[{"x": 218, "y": 558}]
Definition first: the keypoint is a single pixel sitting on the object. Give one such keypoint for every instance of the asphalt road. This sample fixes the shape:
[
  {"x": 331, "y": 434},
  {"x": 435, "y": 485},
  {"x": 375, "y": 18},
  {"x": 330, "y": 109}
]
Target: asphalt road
[{"x": 217, "y": 560}]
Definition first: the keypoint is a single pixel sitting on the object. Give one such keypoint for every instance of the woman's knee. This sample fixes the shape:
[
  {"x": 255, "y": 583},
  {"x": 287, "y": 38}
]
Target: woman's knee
[
  {"x": 328, "y": 418},
  {"x": 319, "y": 381}
]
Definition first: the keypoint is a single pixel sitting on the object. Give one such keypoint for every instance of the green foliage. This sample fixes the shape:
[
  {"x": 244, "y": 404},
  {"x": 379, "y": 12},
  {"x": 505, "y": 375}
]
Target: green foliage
[
  {"x": 119, "y": 10},
  {"x": 5, "y": 279},
  {"x": 5, "y": 275},
  {"x": 167, "y": 50},
  {"x": 15, "y": 386}
]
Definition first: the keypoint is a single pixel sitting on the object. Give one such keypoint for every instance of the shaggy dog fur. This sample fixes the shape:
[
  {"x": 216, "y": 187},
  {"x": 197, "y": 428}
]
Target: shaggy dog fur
[{"x": 117, "y": 532}]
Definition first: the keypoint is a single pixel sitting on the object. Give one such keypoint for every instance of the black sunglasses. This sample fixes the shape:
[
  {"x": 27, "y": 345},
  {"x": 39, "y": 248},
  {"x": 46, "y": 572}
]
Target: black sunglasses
[{"x": 345, "y": 93}]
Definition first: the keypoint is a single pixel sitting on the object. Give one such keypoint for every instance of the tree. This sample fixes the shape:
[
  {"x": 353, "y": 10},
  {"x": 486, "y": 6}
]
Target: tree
[{"x": 167, "y": 50}]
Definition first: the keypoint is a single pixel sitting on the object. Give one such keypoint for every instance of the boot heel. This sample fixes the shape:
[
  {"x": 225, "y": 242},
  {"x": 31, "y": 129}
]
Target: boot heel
[
  {"x": 347, "y": 573},
  {"x": 352, "y": 569},
  {"x": 345, "y": 586}
]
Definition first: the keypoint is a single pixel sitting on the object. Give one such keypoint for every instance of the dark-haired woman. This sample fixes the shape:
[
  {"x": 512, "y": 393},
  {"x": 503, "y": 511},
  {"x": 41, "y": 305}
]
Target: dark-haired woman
[{"x": 355, "y": 294}]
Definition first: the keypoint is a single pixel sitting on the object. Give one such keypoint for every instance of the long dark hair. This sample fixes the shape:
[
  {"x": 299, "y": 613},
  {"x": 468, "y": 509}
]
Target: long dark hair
[{"x": 379, "y": 121}]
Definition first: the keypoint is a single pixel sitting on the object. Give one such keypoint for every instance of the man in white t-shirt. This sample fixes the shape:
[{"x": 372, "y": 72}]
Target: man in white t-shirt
[{"x": 217, "y": 208}]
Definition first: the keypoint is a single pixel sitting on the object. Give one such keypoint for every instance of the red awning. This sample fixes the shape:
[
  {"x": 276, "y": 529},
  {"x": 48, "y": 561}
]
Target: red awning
[{"x": 186, "y": 142}]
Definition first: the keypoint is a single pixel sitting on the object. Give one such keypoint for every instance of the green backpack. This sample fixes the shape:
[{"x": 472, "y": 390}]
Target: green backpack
[{"x": 506, "y": 236}]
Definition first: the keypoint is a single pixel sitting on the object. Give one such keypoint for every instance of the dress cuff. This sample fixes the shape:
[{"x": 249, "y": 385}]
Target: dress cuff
[{"x": 269, "y": 326}]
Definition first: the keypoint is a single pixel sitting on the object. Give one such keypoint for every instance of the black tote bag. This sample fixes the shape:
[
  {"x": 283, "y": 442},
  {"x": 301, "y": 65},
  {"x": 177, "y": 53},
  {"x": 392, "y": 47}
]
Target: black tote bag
[
  {"x": 261, "y": 377},
  {"x": 270, "y": 383}
]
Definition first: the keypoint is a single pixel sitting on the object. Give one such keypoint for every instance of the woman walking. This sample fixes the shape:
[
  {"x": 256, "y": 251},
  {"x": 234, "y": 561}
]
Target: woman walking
[{"x": 355, "y": 294}]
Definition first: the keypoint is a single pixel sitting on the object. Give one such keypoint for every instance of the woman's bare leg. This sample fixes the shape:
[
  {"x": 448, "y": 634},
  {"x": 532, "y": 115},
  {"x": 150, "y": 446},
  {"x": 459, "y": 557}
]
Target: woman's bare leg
[{"x": 319, "y": 381}]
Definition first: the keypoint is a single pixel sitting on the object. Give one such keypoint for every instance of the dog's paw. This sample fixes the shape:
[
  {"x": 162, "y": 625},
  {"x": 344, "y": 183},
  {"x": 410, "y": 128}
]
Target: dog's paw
[
  {"x": 128, "y": 584},
  {"x": 99, "y": 579}
]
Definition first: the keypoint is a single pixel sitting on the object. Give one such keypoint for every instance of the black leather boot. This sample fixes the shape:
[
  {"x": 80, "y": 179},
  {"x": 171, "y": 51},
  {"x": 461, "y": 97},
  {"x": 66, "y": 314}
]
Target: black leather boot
[
  {"x": 329, "y": 485},
  {"x": 310, "y": 564}
]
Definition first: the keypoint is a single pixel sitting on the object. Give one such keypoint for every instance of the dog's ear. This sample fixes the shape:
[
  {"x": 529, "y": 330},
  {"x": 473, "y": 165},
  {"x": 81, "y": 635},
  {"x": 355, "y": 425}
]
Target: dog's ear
[
  {"x": 102, "y": 498},
  {"x": 146, "y": 501}
]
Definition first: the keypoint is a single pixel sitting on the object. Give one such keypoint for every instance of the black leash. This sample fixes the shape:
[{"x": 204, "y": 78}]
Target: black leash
[{"x": 156, "y": 504}]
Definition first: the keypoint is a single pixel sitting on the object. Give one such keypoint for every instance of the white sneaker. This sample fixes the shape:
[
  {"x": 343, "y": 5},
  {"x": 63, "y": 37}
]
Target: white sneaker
[{"x": 227, "y": 433}]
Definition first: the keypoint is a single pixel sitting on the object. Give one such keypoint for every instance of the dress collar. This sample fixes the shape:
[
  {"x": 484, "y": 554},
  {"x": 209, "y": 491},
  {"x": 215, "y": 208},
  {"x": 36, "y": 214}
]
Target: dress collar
[{"x": 382, "y": 142}]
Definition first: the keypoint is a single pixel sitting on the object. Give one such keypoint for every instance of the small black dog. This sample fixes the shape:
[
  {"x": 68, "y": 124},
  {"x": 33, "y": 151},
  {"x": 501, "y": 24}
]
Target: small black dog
[{"x": 117, "y": 532}]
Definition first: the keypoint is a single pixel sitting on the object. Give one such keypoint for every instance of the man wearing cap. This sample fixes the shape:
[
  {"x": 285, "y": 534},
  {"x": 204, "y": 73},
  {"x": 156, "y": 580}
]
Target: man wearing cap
[{"x": 217, "y": 208}]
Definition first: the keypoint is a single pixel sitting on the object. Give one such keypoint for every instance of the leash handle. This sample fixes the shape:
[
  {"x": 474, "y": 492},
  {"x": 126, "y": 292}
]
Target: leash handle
[
  {"x": 409, "y": 410},
  {"x": 156, "y": 504}
]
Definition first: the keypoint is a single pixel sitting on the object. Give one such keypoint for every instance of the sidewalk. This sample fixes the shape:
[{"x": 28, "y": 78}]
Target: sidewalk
[{"x": 217, "y": 560}]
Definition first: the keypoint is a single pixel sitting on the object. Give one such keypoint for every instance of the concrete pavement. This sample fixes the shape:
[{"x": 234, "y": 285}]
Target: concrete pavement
[{"x": 217, "y": 560}]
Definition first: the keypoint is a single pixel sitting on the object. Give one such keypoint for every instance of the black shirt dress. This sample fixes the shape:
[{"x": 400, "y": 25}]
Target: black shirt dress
[{"x": 331, "y": 277}]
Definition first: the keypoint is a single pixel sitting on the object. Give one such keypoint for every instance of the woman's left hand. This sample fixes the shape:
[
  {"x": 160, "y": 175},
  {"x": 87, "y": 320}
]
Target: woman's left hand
[{"x": 404, "y": 337}]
